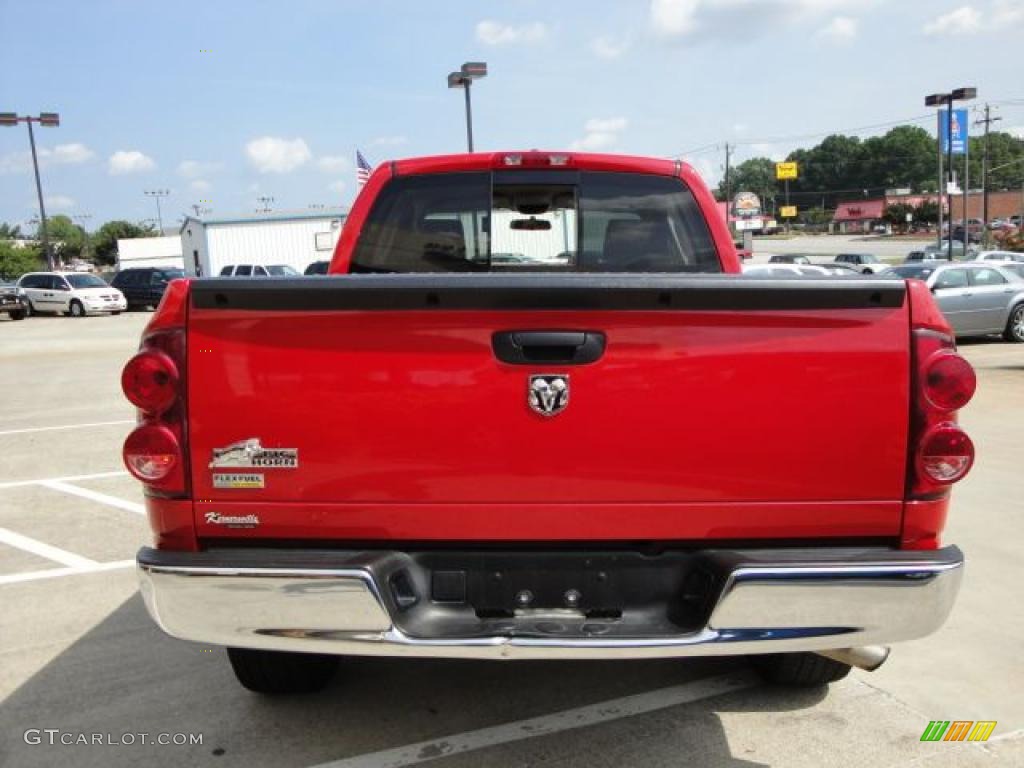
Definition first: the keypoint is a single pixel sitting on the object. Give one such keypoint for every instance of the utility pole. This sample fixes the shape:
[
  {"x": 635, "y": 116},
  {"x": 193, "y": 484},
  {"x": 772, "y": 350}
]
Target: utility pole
[
  {"x": 82, "y": 218},
  {"x": 265, "y": 201},
  {"x": 987, "y": 122},
  {"x": 728, "y": 184}
]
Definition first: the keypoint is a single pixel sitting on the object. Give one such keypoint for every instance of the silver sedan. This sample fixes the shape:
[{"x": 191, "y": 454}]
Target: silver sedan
[{"x": 977, "y": 299}]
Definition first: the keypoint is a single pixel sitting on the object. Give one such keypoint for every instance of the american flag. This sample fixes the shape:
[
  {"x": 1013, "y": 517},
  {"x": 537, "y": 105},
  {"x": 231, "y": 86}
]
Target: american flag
[{"x": 363, "y": 169}]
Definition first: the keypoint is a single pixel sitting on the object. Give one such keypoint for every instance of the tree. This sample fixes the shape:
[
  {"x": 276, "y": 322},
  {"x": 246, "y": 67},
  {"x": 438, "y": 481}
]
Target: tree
[
  {"x": 66, "y": 237},
  {"x": 17, "y": 260},
  {"x": 9, "y": 231},
  {"x": 903, "y": 157},
  {"x": 927, "y": 212},
  {"x": 104, "y": 241},
  {"x": 896, "y": 214},
  {"x": 755, "y": 175}
]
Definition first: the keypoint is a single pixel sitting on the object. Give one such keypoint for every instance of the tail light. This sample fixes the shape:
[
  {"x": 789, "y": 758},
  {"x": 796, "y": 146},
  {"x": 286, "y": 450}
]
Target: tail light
[
  {"x": 153, "y": 380},
  {"x": 946, "y": 454},
  {"x": 150, "y": 381},
  {"x": 152, "y": 453},
  {"x": 943, "y": 382}
]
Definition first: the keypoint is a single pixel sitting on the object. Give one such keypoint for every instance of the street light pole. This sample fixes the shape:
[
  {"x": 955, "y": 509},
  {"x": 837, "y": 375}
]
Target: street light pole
[
  {"x": 158, "y": 193},
  {"x": 470, "y": 71},
  {"x": 49, "y": 119},
  {"x": 948, "y": 99}
]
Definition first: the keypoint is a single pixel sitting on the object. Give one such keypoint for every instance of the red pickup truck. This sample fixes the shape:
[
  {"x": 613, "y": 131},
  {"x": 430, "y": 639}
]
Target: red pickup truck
[{"x": 534, "y": 412}]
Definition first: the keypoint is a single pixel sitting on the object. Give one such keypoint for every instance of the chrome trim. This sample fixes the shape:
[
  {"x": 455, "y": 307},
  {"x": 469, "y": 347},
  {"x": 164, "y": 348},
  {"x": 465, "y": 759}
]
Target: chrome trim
[{"x": 761, "y": 609}]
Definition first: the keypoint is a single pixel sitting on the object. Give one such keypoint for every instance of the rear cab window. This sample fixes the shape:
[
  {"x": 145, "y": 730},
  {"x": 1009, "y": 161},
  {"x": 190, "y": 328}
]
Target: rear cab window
[{"x": 535, "y": 221}]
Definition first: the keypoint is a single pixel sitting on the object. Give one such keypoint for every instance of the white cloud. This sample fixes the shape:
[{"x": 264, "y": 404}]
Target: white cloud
[
  {"x": 600, "y": 134},
  {"x": 193, "y": 169},
  {"x": 1007, "y": 13},
  {"x": 1017, "y": 131},
  {"x": 62, "y": 154},
  {"x": 338, "y": 187},
  {"x": 495, "y": 33},
  {"x": 59, "y": 202},
  {"x": 842, "y": 29},
  {"x": 199, "y": 185},
  {"x": 129, "y": 161},
  {"x": 70, "y": 154},
  {"x": 272, "y": 154},
  {"x": 674, "y": 18},
  {"x": 333, "y": 163},
  {"x": 683, "y": 19},
  {"x": 965, "y": 20},
  {"x": 608, "y": 47},
  {"x": 389, "y": 141}
]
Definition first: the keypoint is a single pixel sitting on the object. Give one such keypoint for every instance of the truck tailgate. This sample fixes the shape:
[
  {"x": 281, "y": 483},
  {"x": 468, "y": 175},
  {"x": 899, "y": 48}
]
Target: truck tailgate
[{"x": 721, "y": 407}]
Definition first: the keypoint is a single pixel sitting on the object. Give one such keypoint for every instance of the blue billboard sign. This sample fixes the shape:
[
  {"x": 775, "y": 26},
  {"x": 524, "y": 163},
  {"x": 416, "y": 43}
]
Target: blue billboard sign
[{"x": 957, "y": 133}]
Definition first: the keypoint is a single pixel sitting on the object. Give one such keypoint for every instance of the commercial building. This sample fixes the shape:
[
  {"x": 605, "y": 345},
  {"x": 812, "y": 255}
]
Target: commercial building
[
  {"x": 294, "y": 238},
  {"x": 149, "y": 252}
]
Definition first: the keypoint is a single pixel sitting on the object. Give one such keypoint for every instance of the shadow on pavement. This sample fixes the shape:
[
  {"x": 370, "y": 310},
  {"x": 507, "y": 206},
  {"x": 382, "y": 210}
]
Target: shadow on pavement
[{"x": 125, "y": 676}]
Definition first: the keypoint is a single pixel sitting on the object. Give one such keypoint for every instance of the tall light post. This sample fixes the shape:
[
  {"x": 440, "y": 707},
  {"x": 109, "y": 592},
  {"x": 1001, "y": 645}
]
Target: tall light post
[
  {"x": 50, "y": 120},
  {"x": 947, "y": 100},
  {"x": 81, "y": 218},
  {"x": 470, "y": 71},
  {"x": 158, "y": 193}
]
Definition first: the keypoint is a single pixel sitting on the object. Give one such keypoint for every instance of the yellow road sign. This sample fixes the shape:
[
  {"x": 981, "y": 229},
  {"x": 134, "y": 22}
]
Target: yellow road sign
[
  {"x": 785, "y": 171},
  {"x": 787, "y": 211}
]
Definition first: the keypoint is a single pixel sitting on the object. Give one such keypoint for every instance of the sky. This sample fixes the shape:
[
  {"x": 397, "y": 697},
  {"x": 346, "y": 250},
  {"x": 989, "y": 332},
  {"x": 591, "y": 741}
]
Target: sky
[{"x": 224, "y": 102}]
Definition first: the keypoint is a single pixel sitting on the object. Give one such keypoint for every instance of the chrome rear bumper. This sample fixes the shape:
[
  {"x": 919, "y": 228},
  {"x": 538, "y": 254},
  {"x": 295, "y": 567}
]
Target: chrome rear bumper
[{"x": 344, "y": 603}]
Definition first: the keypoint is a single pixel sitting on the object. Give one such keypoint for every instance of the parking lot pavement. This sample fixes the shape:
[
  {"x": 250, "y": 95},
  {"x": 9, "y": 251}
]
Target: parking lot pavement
[{"x": 78, "y": 652}]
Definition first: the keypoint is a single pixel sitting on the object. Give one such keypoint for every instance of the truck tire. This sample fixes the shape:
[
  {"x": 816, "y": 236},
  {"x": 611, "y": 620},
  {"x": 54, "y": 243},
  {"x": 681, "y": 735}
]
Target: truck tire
[
  {"x": 276, "y": 672},
  {"x": 17, "y": 314},
  {"x": 803, "y": 670},
  {"x": 1015, "y": 325}
]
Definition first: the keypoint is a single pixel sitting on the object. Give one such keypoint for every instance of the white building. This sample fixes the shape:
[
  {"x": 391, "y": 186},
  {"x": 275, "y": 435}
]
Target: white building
[
  {"x": 295, "y": 238},
  {"x": 149, "y": 252}
]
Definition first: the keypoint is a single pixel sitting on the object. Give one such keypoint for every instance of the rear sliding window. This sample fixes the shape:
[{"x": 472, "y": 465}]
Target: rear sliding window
[{"x": 535, "y": 221}]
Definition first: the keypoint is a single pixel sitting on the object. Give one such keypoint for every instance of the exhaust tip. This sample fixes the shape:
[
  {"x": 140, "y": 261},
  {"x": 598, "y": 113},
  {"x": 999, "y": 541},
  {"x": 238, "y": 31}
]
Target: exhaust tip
[{"x": 866, "y": 657}]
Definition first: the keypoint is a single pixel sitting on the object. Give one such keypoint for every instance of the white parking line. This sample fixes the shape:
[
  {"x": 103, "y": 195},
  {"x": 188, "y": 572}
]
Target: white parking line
[
  {"x": 102, "y": 498},
  {"x": 68, "y": 479},
  {"x": 18, "y": 578},
  {"x": 65, "y": 426},
  {"x": 42, "y": 549},
  {"x": 567, "y": 720}
]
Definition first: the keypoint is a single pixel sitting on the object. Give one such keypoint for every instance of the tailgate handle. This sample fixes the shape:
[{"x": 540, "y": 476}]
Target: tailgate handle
[{"x": 559, "y": 347}]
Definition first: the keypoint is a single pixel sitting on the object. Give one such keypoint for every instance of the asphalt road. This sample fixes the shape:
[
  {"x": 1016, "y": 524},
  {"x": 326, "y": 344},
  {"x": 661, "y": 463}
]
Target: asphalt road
[{"x": 79, "y": 654}]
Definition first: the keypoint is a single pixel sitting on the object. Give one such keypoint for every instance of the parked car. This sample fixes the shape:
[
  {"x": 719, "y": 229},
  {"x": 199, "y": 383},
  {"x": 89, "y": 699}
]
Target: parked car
[
  {"x": 925, "y": 255},
  {"x": 317, "y": 268},
  {"x": 448, "y": 479},
  {"x": 999, "y": 256},
  {"x": 1014, "y": 267},
  {"x": 782, "y": 270},
  {"x": 258, "y": 270},
  {"x": 866, "y": 262},
  {"x": 789, "y": 258},
  {"x": 959, "y": 252},
  {"x": 977, "y": 298},
  {"x": 73, "y": 293},
  {"x": 13, "y": 302},
  {"x": 842, "y": 270},
  {"x": 145, "y": 286}
]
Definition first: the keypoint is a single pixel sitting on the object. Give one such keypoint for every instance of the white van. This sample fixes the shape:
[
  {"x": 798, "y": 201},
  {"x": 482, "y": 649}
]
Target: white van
[{"x": 73, "y": 293}]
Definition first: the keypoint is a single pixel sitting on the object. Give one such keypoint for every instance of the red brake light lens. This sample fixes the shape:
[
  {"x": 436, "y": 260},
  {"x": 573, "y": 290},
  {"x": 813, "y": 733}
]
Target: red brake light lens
[
  {"x": 150, "y": 381},
  {"x": 949, "y": 381},
  {"x": 946, "y": 454},
  {"x": 151, "y": 453}
]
